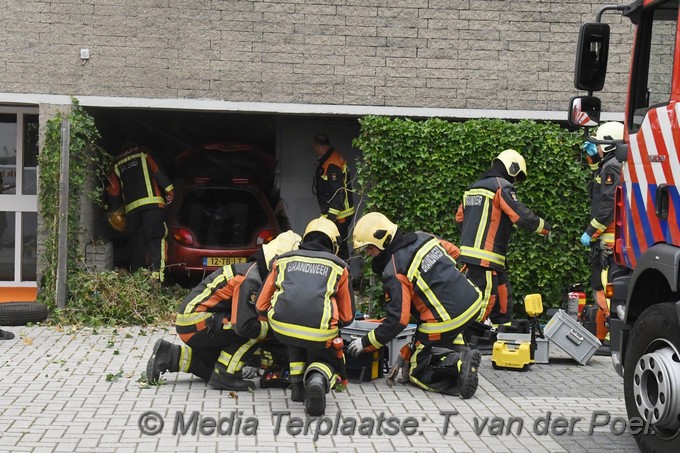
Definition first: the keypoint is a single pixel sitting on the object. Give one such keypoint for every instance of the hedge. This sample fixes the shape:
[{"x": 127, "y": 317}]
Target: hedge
[{"x": 415, "y": 172}]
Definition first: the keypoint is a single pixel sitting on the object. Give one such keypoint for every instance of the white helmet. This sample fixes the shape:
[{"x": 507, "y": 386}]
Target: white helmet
[
  {"x": 375, "y": 229},
  {"x": 284, "y": 242},
  {"x": 514, "y": 163},
  {"x": 327, "y": 228},
  {"x": 612, "y": 130}
]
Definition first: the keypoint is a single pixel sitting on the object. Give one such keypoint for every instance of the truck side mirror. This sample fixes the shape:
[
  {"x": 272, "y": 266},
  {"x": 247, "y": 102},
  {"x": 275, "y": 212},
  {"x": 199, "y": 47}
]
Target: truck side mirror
[
  {"x": 591, "y": 56},
  {"x": 584, "y": 111}
]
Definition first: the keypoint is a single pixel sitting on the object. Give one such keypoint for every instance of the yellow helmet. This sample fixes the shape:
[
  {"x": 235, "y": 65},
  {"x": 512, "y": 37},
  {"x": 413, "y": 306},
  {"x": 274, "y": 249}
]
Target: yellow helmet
[
  {"x": 327, "y": 227},
  {"x": 612, "y": 130},
  {"x": 513, "y": 163},
  {"x": 117, "y": 220},
  {"x": 284, "y": 242},
  {"x": 373, "y": 228}
]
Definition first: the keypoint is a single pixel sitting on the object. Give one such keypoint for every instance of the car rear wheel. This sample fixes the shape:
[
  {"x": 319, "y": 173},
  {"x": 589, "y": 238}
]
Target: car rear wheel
[{"x": 651, "y": 380}]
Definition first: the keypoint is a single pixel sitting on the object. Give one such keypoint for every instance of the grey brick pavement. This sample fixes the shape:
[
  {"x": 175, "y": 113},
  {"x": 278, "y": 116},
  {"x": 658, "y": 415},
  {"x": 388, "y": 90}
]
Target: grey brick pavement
[{"x": 54, "y": 396}]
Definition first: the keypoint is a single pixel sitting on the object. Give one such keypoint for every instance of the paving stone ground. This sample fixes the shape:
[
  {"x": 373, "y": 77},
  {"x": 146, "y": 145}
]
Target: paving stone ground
[{"x": 55, "y": 396}]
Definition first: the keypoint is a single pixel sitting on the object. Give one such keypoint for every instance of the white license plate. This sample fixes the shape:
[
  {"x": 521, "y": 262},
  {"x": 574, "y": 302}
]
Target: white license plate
[{"x": 222, "y": 261}]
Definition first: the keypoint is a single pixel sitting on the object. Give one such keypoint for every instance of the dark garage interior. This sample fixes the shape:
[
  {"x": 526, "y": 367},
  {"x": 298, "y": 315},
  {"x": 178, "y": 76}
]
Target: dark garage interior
[{"x": 173, "y": 138}]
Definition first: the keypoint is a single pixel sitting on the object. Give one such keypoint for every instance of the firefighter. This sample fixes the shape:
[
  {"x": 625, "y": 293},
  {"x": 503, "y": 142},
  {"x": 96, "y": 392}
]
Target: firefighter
[
  {"x": 599, "y": 234},
  {"x": 218, "y": 324},
  {"x": 490, "y": 208},
  {"x": 420, "y": 279},
  {"x": 333, "y": 189},
  {"x": 307, "y": 298},
  {"x": 142, "y": 188}
]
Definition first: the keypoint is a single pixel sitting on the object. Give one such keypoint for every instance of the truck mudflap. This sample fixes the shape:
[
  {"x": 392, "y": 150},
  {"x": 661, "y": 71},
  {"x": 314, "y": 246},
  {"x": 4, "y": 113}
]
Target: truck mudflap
[
  {"x": 618, "y": 329},
  {"x": 618, "y": 332}
]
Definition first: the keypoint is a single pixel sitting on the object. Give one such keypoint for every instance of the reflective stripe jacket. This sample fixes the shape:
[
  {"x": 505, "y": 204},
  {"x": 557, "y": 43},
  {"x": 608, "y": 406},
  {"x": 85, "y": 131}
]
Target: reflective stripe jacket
[
  {"x": 307, "y": 296},
  {"x": 333, "y": 186},
  {"x": 421, "y": 279},
  {"x": 489, "y": 209},
  {"x": 602, "y": 190},
  {"x": 225, "y": 299},
  {"x": 137, "y": 177}
]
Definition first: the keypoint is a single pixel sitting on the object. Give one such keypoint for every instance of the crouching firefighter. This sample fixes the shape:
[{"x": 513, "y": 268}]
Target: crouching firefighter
[
  {"x": 213, "y": 350},
  {"x": 420, "y": 278},
  {"x": 307, "y": 297}
]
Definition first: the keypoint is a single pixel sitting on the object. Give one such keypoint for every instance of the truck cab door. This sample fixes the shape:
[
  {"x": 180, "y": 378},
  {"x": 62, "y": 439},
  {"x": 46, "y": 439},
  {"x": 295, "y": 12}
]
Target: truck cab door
[{"x": 651, "y": 174}]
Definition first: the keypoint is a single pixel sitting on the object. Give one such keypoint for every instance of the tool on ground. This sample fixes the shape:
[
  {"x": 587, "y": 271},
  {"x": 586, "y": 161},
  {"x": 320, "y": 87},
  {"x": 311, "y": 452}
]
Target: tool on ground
[
  {"x": 338, "y": 345},
  {"x": 519, "y": 354}
]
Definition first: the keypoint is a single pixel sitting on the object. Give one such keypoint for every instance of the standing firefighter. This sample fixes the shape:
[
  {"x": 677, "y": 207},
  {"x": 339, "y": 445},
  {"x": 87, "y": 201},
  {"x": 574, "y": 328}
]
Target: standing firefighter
[
  {"x": 420, "y": 279},
  {"x": 599, "y": 234},
  {"x": 490, "y": 207},
  {"x": 307, "y": 297},
  {"x": 136, "y": 186},
  {"x": 333, "y": 189},
  {"x": 218, "y": 323}
]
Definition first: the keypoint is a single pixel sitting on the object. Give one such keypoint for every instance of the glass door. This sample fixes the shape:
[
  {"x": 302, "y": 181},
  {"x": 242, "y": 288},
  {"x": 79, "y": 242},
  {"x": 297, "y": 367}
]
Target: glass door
[{"x": 19, "y": 131}]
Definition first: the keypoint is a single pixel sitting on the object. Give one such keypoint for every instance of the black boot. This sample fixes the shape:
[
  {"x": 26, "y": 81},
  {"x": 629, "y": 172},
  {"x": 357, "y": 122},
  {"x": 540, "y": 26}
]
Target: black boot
[
  {"x": 221, "y": 380},
  {"x": 445, "y": 367},
  {"x": 315, "y": 394},
  {"x": 165, "y": 357},
  {"x": 467, "y": 372},
  {"x": 297, "y": 392},
  {"x": 604, "y": 350},
  {"x": 5, "y": 335}
]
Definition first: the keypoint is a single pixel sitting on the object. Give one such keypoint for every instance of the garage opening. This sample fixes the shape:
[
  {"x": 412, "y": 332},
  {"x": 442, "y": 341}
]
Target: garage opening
[{"x": 223, "y": 167}]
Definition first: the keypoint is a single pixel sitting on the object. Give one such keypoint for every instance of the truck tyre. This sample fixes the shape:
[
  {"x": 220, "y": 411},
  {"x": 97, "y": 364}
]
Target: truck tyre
[
  {"x": 21, "y": 313},
  {"x": 651, "y": 380}
]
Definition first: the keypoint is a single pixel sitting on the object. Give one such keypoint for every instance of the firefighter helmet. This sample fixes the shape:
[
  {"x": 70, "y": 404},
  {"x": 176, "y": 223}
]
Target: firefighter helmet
[
  {"x": 117, "y": 220},
  {"x": 375, "y": 229},
  {"x": 612, "y": 130},
  {"x": 326, "y": 227},
  {"x": 514, "y": 163},
  {"x": 284, "y": 242}
]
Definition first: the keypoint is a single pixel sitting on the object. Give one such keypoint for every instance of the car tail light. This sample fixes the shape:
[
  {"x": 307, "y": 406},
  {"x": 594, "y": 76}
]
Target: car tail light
[
  {"x": 182, "y": 236},
  {"x": 240, "y": 181},
  {"x": 265, "y": 236}
]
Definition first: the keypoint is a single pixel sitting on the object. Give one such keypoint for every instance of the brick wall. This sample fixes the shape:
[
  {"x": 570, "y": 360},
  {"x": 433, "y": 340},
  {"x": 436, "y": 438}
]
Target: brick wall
[{"x": 491, "y": 54}]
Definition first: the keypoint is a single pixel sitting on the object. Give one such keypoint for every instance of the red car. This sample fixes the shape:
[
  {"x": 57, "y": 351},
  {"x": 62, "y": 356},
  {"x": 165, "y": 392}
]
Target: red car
[{"x": 223, "y": 208}]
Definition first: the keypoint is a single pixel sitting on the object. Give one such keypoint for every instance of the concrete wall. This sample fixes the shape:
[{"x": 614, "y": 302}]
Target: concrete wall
[{"x": 464, "y": 54}]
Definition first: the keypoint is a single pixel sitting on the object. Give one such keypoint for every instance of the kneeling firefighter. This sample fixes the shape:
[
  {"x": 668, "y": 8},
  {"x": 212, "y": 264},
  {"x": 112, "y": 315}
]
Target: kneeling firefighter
[
  {"x": 307, "y": 298},
  {"x": 215, "y": 325},
  {"x": 420, "y": 279}
]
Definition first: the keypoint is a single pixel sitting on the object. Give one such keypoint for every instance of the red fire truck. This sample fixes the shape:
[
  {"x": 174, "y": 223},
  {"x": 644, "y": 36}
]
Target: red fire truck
[{"x": 645, "y": 295}]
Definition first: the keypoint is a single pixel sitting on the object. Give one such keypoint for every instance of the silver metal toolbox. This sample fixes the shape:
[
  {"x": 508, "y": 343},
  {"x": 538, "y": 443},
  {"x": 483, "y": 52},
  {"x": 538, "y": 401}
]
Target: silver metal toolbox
[
  {"x": 542, "y": 353},
  {"x": 361, "y": 328},
  {"x": 571, "y": 337}
]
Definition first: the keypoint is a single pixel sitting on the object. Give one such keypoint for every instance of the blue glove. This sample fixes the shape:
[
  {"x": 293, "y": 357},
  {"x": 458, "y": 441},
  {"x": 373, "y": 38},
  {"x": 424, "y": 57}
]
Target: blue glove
[
  {"x": 585, "y": 240},
  {"x": 590, "y": 148}
]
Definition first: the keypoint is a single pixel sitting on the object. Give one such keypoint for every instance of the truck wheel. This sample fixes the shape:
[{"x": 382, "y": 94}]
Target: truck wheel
[
  {"x": 651, "y": 380},
  {"x": 21, "y": 313}
]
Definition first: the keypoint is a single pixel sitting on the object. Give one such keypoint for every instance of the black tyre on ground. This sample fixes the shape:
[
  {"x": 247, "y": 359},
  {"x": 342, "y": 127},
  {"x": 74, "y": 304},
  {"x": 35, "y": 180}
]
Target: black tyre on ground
[
  {"x": 21, "y": 313},
  {"x": 651, "y": 380}
]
